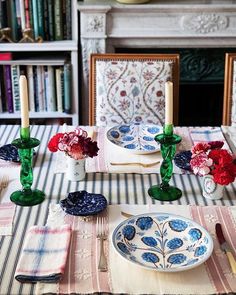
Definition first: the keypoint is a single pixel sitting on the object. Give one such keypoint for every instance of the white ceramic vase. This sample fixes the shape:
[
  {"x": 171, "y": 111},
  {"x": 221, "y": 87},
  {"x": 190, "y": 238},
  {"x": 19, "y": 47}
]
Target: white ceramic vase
[
  {"x": 210, "y": 189},
  {"x": 75, "y": 170}
]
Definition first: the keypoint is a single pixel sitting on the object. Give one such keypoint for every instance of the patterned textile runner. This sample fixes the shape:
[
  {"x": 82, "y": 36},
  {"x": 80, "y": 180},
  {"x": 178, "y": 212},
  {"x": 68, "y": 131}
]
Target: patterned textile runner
[{"x": 82, "y": 276}]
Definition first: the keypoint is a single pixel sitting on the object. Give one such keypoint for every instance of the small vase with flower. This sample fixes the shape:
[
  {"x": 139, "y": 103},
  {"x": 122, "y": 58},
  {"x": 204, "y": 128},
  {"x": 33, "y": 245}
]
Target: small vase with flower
[
  {"x": 216, "y": 165},
  {"x": 77, "y": 146}
]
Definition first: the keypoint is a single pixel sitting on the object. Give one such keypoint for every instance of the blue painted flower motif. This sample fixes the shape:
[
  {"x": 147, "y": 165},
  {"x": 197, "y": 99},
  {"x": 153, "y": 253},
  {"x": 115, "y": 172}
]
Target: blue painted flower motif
[
  {"x": 174, "y": 243},
  {"x": 128, "y": 232},
  {"x": 150, "y": 257},
  {"x": 195, "y": 234},
  {"x": 124, "y": 128},
  {"x": 123, "y": 248},
  {"x": 178, "y": 225},
  {"x": 144, "y": 223},
  {"x": 153, "y": 130},
  {"x": 149, "y": 147},
  {"x": 128, "y": 138},
  {"x": 200, "y": 250},
  {"x": 115, "y": 134},
  {"x": 176, "y": 258},
  {"x": 149, "y": 241},
  {"x": 148, "y": 138},
  {"x": 130, "y": 146}
]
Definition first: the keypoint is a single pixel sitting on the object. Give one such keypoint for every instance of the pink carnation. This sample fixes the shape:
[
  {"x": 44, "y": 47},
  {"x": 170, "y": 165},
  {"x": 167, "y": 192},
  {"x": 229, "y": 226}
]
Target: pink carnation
[
  {"x": 201, "y": 147},
  {"x": 201, "y": 164}
]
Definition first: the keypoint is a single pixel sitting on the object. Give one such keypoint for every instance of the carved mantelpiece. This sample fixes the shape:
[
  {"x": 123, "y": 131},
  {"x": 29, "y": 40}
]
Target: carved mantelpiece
[{"x": 106, "y": 25}]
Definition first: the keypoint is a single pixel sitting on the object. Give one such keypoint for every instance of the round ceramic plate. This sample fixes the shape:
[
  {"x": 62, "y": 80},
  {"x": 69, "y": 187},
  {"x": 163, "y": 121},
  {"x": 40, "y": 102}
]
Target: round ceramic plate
[
  {"x": 163, "y": 242},
  {"x": 135, "y": 138},
  {"x": 182, "y": 160},
  {"x": 82, "y": 203},
  {"x": 9, "y": 152}
]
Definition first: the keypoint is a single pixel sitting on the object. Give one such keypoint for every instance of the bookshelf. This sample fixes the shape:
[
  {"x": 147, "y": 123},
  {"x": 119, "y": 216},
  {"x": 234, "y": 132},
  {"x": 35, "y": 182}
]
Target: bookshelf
[{"x": 59, "y": 54}]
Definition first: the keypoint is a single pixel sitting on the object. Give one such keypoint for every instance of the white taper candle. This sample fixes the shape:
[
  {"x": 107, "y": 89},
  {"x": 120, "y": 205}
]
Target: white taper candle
[
  {"x": 168, "y": 103},
  {"x": 24, "y": 104}
]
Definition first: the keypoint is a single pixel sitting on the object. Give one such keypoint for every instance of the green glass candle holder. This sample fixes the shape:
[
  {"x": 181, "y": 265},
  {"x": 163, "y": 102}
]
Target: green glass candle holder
[
  {"x": 168, "y": 141},
  {"x": 26, "y": 196}
]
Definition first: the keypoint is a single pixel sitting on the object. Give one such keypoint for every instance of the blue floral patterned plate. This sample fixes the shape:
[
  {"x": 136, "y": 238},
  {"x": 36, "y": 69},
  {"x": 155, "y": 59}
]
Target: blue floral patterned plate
[
  {"x": 9, "y": 152},
  {"x": 182, "y": 160},
  {"x": 163, "y": 242},
  {"x": 82, "y": 203},
  {"x": 136, "y": 138}
]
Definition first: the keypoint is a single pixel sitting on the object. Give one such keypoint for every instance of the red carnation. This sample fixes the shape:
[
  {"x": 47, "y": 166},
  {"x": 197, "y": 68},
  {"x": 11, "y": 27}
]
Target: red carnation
[{"x": 54, "y": 141}]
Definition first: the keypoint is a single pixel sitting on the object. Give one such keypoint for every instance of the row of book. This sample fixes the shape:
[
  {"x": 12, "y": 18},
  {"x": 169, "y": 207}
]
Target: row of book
[
  {"x": 49, "y": 87},
  {"x": 49, "y": 19}
]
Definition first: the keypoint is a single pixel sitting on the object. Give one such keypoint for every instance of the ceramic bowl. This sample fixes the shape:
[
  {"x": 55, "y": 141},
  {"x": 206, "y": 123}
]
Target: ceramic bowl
[
  {"x": 9, "y": 152},
  {"x": 182, "y": 160},
  {"x": 163, "y": 242},
  {"x": 82, "y": 203},
  {"x": 135, "y": 138}
]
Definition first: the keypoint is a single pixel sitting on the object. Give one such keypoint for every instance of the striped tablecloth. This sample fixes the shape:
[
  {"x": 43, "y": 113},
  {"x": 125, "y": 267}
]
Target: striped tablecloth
[{"x": 118, "y": 188}]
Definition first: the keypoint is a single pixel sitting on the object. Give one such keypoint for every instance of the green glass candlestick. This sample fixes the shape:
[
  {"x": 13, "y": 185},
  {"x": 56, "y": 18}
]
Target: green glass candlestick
[
  {"x": 168, "y": 141},
  {"x": 26, "y": 196}
]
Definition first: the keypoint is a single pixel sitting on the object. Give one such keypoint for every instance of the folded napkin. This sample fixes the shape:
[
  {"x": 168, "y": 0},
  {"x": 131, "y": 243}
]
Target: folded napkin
[
  {"x": 44, "y": 254},
  {"x": 109, "y": 153},
  {"x": 230, "y": 135},
  {"x": 206, "y": 134},
  {"x": 212, "y": 277},
  {"x": 7, "y": 212}
]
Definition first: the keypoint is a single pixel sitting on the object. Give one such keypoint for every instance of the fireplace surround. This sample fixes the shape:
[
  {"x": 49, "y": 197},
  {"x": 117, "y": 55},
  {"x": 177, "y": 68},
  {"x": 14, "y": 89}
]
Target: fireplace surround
[{"x": 184, "y": 26}]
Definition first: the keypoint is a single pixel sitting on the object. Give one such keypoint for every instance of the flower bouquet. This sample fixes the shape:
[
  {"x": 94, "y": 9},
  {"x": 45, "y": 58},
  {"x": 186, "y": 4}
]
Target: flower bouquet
[
  {"x": 216, "y": 164},
  {"x": 77, "y": 145}
]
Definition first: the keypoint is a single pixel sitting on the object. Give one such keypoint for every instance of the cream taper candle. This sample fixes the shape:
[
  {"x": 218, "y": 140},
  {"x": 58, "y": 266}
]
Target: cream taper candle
[
  {"x": 24, "y": 104},
  {"x": 168, "y": 103}
]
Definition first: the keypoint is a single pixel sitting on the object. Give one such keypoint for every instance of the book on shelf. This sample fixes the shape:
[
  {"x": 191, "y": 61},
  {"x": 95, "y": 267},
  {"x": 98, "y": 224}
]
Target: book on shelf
[
  {"x": 67, "y": 88},
  {"x": 27, "y": 13},
  {"x": 68, "y": 20},
  {"x": 40, "y": 18},
  {"x": 59, "y": 89},
  {"x": 3, "y": 13},
  {"x": 13, "y": 20},
  {"x": 50, "y": 20},
  {"x": 15, "y": 76},
  {"x": 1, "y": 98},
  {"x": 22, "y": 14},
  {"x": 50, "y": 90},
  {"x": 36, "y": 99},
  {"x": 5, "y": 56},
  {"x": 45, "y": 20},
  {"x": 8, "y": 88},
  {"x": 58, "y": 20},
  {"x": 31, "y": 17},
  {"x": 35, "y": 18},
  {"x": 30, "y": 79},
  {"x": 40, "y": 88}
]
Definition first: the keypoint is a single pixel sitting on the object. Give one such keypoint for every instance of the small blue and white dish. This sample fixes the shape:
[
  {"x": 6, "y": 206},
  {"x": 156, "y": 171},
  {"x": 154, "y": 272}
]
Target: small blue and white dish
[
  {"x": 182, "y": 160},
  {"x": 136, "y": 138},
  {"x": 163, "y": 242},
  {"x": 9, "y": 152},
  {"x": 82, "y": 203}
]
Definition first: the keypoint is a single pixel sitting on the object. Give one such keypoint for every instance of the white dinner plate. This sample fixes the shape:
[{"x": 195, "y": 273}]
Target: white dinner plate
[
  {"x": 162, "y": 242},
  {"x": 135, "y": 138}
]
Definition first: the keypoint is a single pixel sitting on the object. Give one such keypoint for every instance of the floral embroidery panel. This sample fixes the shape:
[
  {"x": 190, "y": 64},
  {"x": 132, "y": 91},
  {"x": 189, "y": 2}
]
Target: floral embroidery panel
[{"x": 131, "y": 91}]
